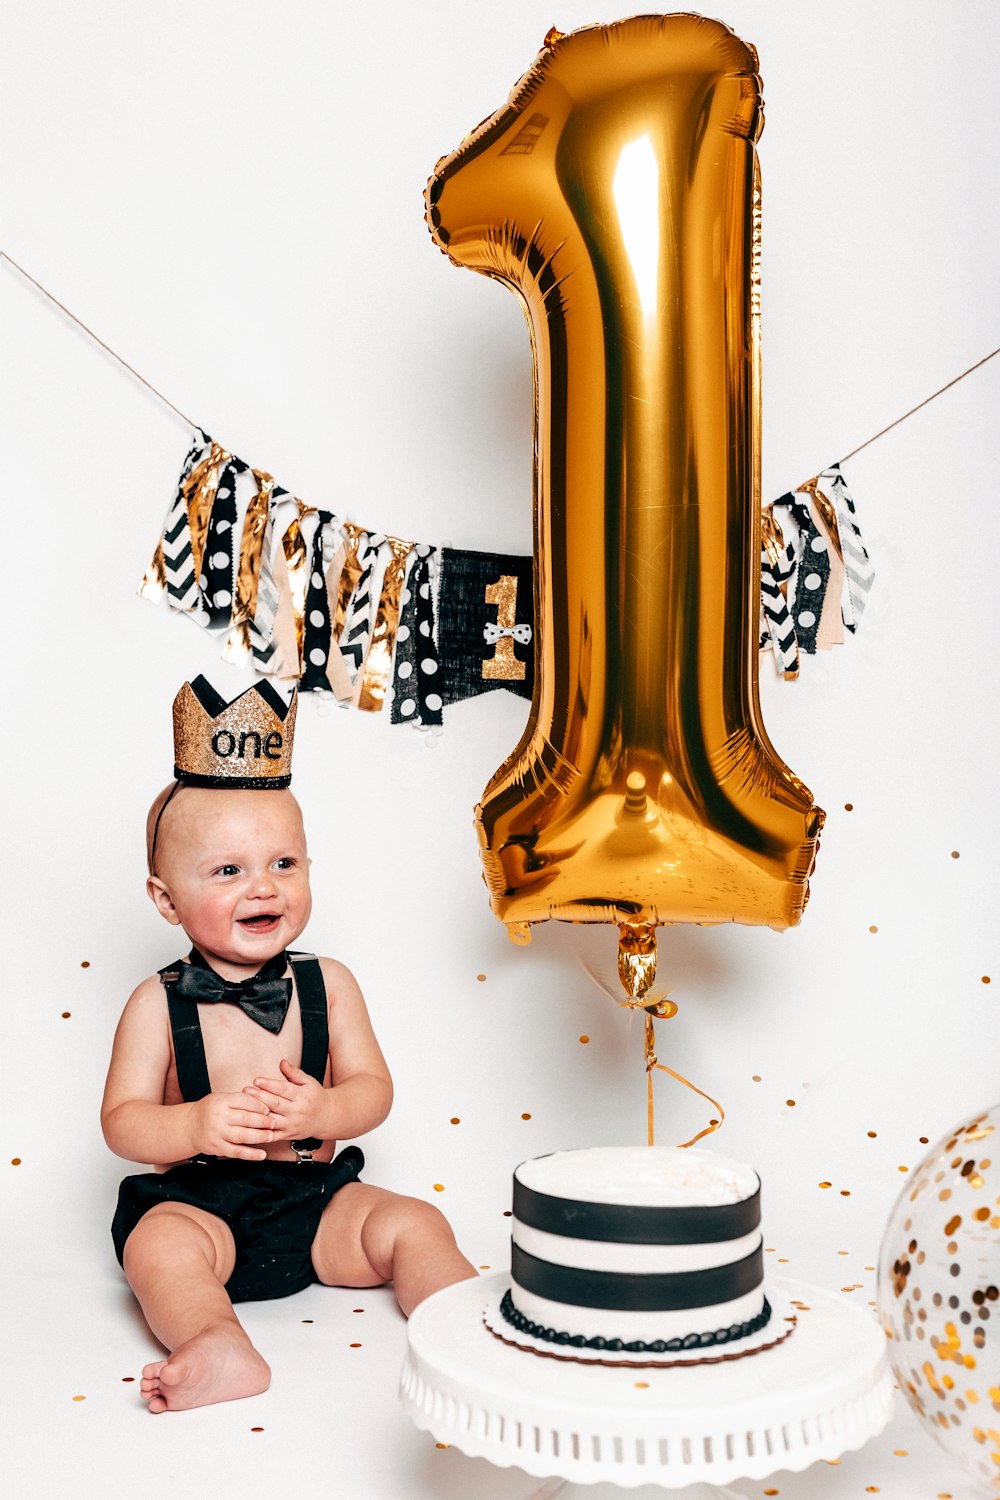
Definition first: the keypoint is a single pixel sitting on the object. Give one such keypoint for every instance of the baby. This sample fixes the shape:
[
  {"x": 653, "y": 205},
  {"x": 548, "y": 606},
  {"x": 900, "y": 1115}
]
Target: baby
[{"x": 238, "y": 1070}]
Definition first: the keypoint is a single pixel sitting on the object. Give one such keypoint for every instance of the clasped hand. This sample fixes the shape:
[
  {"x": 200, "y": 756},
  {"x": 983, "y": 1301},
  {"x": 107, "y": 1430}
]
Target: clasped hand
[{"x": 268, "y": 1110}]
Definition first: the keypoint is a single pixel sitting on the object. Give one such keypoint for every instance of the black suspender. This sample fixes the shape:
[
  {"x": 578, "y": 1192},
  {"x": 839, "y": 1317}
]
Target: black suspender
[{"x": 189, "y": 1044}]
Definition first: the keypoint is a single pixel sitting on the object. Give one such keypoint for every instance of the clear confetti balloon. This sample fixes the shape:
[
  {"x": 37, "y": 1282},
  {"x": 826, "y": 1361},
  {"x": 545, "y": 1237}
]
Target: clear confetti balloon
[{"x": 939, "y": 1294}]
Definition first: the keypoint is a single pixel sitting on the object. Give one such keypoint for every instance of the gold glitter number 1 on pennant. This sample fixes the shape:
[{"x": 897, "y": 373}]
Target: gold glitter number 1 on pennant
[{"x": 503, "y": 663}]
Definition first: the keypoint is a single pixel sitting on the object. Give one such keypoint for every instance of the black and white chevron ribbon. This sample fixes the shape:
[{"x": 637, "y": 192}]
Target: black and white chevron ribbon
[
  {"x": 176, "y": 563},
  {"x": 778, "y": 621},
  {"x": 859, "y": 570}
]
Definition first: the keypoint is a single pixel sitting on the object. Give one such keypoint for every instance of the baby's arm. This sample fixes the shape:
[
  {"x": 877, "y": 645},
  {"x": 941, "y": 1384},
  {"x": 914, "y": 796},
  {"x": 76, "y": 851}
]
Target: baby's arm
[
  {"x": 360, "y": 1093},
  {"x": 136, "y": 1122}
]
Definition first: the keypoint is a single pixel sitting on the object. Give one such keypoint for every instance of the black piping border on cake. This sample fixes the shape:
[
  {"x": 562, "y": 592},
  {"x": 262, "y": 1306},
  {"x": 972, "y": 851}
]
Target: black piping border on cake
[
  {"x": 636, "y": 1224},
  {"x": 730, "y": 1335}
]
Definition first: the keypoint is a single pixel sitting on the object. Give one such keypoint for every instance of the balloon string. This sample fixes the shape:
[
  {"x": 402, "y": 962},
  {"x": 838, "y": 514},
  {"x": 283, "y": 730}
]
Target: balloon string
[
  {"x": 651, "y": 1063},
  {"x": 91, "y": 334}
]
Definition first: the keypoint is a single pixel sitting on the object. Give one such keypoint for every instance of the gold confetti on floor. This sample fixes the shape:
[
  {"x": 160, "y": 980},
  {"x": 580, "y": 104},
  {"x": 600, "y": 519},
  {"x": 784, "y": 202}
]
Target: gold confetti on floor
[
  {"x": 642, "y": 1385},
  {"x": 85, "y": 964},
  {"x": 756, "y": 1078},
  {"x": 954, "y": 854},
  {"x": 790, "y": 1103},
  {"x": 585, "y": 1039},
  {"x": 442, "y": 1445},
  {"x": 826, "y": 1184},
  {"x": 128, "y": 1380},
  {"x": 357, "y": 1309},
  {"x": 455, "y": 1120},
  {"x": 307, "y": 1320},
  {"x": 355, "y": 1346},
  {"x": 439, "y": 1187},
  {"x": 872, "y": 1134},
  {"x": 848, "y": 806},
  {"x": 525, "y": 1117},
  {"x": 256, "y": 1429},
  {"x": 986, "y": 979},
  {"x": 79, "y": 1398},
  {"x": 15, "y": 1161},
  {"x": 481, "y": 978},
  {"x": 845, "y": 1192},
  {"x": 66, "y": 1015},
  {"x": 873, "y": 929}
]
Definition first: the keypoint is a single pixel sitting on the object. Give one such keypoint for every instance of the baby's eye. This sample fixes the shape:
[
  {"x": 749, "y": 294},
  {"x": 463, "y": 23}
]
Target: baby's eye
[
  {"x": 285, "y": 863},
  {"x": 228, "y": 870}
]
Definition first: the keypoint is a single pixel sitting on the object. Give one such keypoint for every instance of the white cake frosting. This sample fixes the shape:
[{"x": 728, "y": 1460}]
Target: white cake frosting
[{"x": 624, "y": 1240}]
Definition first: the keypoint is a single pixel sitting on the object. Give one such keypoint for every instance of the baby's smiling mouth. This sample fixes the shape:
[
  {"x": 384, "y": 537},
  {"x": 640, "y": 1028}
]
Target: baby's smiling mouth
[{"x": 263, "y": 922}]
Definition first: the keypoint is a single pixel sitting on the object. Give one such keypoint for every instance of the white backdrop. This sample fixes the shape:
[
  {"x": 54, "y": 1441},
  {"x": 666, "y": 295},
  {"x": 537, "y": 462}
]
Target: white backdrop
[{"x": 230, "y": 194}]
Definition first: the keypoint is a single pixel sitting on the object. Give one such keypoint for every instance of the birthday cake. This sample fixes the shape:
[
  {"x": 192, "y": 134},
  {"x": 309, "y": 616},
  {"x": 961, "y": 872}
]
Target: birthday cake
[{"x": 651, "y": 1251}]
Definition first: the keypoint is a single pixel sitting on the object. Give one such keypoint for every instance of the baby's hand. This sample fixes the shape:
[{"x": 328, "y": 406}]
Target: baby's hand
[
  {"x": 233, "y": 1125},
  {"x": 295, "y": 1102}
]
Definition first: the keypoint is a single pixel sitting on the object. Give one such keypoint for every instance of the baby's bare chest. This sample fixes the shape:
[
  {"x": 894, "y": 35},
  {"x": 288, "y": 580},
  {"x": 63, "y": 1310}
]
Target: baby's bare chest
[{"x": 238, "y": 1050}]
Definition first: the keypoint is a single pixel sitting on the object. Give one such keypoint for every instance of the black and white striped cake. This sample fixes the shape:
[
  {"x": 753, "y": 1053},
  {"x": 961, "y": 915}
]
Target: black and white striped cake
[{"x": 645, "y": 1249}]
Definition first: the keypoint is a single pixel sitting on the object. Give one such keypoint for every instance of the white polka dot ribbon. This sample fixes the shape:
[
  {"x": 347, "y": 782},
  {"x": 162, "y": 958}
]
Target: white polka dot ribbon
[{"x": 492, "y": 633}]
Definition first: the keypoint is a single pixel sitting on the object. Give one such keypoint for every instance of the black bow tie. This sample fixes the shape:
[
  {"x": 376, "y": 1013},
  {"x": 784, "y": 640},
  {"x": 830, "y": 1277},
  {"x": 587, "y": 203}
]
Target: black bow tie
[{"x": 264, "y": 997}]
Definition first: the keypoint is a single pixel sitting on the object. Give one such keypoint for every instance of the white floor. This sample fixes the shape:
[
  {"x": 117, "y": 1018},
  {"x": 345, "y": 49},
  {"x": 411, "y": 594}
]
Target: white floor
[{"x": 331, "y": 1423}]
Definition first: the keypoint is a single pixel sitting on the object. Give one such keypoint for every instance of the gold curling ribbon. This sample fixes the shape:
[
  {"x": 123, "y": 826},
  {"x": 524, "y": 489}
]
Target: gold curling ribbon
[
  {"x": 297, "y": 563},
  {"x": 651, "y": 1063},
  {"x": 378, "y": 659}
]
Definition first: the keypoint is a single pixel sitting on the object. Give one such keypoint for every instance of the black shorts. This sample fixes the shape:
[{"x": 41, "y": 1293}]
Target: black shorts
[{"x": 272, "y": 1207}]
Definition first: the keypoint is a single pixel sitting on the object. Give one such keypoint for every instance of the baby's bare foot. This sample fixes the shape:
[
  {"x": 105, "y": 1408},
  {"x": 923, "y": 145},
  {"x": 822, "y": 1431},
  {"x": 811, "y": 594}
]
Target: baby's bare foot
[{"x": 218, "y": 1364}]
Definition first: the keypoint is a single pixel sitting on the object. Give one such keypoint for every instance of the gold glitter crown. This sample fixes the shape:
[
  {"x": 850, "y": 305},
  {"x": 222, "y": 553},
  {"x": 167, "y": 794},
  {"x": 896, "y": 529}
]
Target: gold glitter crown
[{"x": 246, "y": 743}]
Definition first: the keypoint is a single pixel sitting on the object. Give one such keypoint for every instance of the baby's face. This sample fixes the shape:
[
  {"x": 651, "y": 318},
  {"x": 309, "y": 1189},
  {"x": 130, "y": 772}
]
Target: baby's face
[{"x": 232, "y": 870}]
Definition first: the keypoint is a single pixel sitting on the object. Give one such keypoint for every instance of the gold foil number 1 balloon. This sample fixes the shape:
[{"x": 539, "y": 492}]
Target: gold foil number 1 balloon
[{"x": 617, "y": 194}]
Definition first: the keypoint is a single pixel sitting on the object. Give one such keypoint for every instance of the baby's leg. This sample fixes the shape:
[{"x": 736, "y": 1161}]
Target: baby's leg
[
  {"x": 177, "y": 1259},
  {"x": 368, "y": 1235}
]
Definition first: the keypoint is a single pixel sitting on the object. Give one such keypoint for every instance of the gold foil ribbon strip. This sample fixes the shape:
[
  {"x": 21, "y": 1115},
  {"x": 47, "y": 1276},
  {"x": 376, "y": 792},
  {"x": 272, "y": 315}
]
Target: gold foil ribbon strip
[
  {"x": 297, "y": 562},
  {"x": 378, "y": 661},
  {"x": 651, "y": 1063},
  {"x": 154, "y": 580},
  {"x": 349, "y": 575},
  {"x": 199, "y": 496},
  {"x": 252, "y": 550}
]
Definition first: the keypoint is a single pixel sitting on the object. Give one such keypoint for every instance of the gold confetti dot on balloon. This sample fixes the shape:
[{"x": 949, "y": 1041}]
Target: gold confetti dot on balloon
[
  {"x": 439, "y": 1187},
  {"x": 85, "y": 964},
  {"x": 585, "y": 1039}
]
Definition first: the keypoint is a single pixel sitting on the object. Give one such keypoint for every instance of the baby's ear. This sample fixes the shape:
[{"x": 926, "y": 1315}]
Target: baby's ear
[{"x": 160, "y": 897}]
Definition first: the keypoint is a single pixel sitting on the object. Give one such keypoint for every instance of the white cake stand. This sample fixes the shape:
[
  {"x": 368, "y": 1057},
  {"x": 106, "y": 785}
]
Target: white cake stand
[{"x": 824, "y": 1391}]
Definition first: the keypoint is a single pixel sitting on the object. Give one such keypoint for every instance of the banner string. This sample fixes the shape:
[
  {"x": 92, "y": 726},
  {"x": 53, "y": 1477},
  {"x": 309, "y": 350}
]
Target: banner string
[
  {"x": 176, "y": 409},
  {"x": 91, "y": 334}
]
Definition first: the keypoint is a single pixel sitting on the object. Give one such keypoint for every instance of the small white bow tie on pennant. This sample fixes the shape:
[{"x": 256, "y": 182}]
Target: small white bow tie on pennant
[{"x": 519, "y": 633}]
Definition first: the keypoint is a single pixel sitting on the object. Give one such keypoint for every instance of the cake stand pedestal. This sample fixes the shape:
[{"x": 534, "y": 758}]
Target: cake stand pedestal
[{"x": 822, "y": 1392}]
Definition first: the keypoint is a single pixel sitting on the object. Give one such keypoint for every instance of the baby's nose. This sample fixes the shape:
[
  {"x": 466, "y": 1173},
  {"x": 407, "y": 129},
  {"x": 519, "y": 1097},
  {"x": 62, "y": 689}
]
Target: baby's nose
[{"x": 262, "y": 884}]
